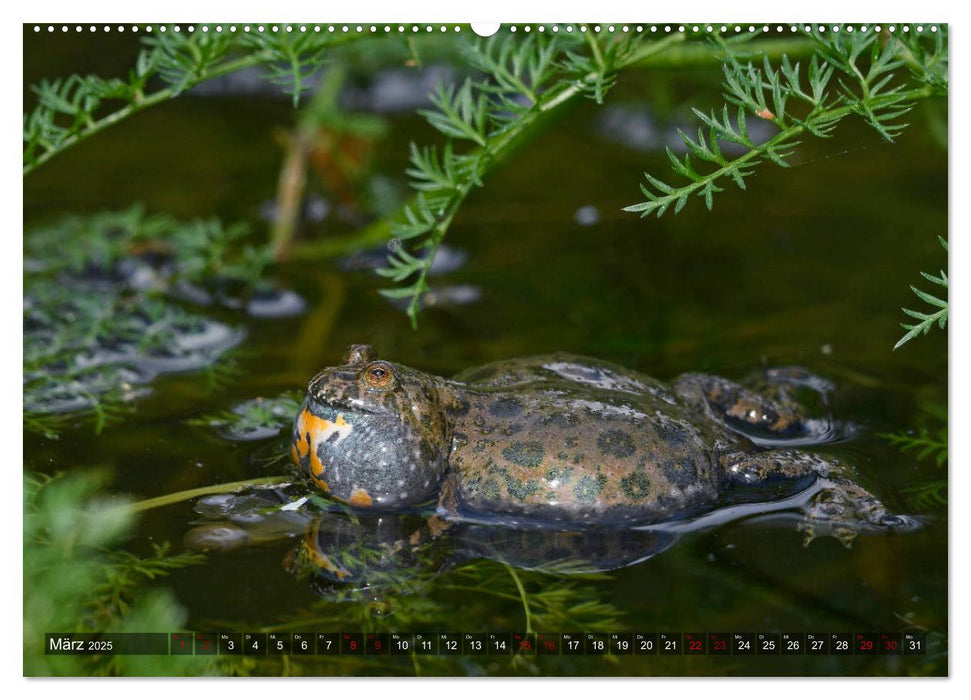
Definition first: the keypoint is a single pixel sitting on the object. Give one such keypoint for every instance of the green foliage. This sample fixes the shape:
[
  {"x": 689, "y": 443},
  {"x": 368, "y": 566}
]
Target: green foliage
[
  {"x": 125, "y": 573},
  {"x": 325, "y": 111},
  {"x": 205, "y": 250},
  {"x": 926, "y": 321},
  {"x": 928, "y": 495},
  {"x": 850, "y": 73},
  {"x": 923, "y": 443},
  {"x": 221, "y": 374},
  {"x": 926, "y": 442},
  {"x": 77, "y": 107},
  {"x": 97, "y": 323},
  {"x": 67, "y": 369},
  {"x": 183, "y": 58},
  {"x": 290, "y": 58},
  {"x": 75, "y": 243},
  {"x": 549, "y": 602},
  {"x": 76, "y": 580},
  {"x": 483, "y": 119}
]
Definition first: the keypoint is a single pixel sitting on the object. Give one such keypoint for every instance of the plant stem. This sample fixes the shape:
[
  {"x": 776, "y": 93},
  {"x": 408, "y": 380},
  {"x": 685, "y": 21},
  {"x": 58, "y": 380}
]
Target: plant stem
[
  {"x": 497, "y": 151},
  {"x": 140, "y": 104},
  {"x": 522, "y": 596},
  {"x": 691, "y": 54},
  {"x": 181, "y": 496}
]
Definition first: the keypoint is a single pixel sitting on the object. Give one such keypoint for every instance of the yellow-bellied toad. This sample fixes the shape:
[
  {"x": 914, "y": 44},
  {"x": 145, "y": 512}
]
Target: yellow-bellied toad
[{"x": 557, "y": 439}]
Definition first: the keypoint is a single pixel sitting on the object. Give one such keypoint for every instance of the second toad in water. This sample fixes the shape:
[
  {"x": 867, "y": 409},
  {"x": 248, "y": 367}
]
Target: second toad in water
[{"x": 558, "y": 440}]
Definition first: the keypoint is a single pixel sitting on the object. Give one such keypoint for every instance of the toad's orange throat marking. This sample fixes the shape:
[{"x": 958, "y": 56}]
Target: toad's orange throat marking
[
  {"x": 311, "y": 431},
  {"x": 359, "y": 497}
]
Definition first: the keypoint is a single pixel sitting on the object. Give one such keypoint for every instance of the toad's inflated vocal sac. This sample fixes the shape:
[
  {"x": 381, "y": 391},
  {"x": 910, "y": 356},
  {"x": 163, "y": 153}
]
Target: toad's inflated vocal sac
[{"x": 562, "y": 440}]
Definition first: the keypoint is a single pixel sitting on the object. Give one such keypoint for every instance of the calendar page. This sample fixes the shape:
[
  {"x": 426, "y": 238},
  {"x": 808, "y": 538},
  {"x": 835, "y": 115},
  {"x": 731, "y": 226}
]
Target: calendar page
[{"x": 514, "y": 349}]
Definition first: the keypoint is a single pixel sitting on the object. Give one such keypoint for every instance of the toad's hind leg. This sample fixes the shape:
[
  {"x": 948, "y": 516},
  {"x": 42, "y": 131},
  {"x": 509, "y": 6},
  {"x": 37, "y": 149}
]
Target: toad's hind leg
[
  {"x": 755, "y": 414},
  {"x": 839, "y": 507}
]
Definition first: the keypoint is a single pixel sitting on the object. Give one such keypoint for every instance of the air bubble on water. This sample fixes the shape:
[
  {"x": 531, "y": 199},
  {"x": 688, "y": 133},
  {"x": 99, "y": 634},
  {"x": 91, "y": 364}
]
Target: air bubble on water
[{"x": 587, "y": 215}]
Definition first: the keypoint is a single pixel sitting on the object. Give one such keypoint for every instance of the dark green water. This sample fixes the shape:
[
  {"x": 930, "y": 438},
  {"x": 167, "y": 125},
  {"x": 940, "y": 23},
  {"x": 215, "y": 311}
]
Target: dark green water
[{"x": 810, "y": 266}]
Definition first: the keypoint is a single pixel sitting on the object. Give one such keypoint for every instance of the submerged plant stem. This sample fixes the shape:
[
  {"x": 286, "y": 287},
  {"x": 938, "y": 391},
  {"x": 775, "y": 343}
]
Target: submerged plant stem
[
  {"x": 522, "y": 596},
  {"x": 181, "y": 496}
]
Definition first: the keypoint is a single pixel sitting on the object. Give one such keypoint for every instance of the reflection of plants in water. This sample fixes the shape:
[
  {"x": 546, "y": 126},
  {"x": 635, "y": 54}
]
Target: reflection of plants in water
[
  {"x": 87, "y": 350},
  {"x": 548, "y": 601},
  {"x": 417, "y": 597},
  {"x": 97, "y": 323},
  {"x": 396, "y": 575},
  {"x": 254, "y": 419},
  {"x": 926, "y": 442},
  {"x": 479, "y": 595},
  {"x": 121, "y": 245},
  {"x": 76, "y": 580},
  {"x": 938, "y": 315},
  {"x": 388, "y": 570}
]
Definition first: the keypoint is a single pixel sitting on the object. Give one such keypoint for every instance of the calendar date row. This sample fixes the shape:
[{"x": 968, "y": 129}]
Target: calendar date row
[{"x": 560, "y": 643}]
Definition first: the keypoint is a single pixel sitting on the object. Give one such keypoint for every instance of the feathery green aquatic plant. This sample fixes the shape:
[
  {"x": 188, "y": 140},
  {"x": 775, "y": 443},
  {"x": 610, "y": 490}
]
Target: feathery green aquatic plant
[
  {"x": 925, "y": 320},
  {"x": 72, "y": 109},
  {"x": 91, "y": 351},
  {"x": 875, "y": 76},
  {"x": 923, "y": 443},
  {"x": 926, "y": 441},
  {"x": 525, "y": 81},
  {"x": 517, "y": 82}
]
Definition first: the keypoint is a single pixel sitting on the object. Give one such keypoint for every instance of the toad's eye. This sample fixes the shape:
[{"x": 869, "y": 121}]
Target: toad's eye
[{"x": 379, "y": 375}]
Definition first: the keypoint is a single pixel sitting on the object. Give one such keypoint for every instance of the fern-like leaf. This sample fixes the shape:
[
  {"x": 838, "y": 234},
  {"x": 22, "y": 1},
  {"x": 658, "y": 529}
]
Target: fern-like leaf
[
  {"x": 925, "y": 320},
  {"x": 871, "y": 85}
]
